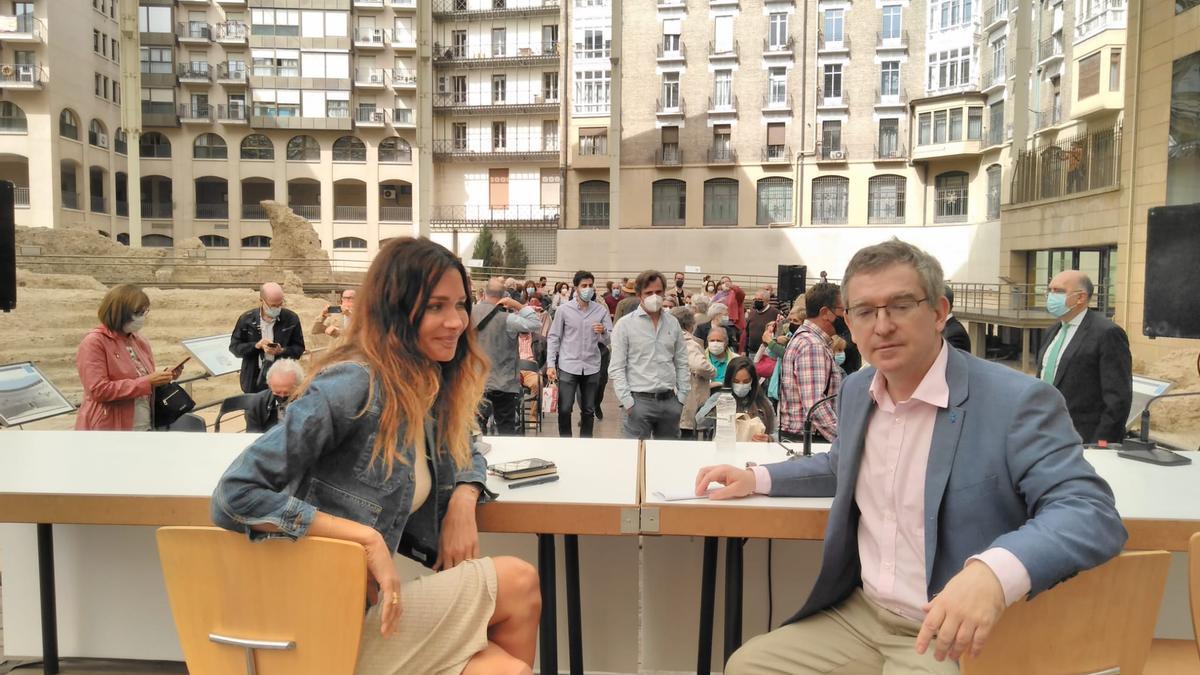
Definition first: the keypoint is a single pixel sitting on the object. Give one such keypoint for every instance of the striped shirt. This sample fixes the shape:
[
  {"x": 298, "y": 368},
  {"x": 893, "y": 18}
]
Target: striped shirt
[{"x": 808, "y": 375}]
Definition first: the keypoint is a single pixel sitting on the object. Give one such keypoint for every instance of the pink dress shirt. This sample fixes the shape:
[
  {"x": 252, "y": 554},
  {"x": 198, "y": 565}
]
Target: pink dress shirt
[{"x": 890, "y": 494}]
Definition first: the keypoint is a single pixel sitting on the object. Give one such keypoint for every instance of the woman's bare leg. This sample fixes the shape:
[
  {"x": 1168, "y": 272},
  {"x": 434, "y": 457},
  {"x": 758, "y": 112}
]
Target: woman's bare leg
[{"x": 514, "y": 624}]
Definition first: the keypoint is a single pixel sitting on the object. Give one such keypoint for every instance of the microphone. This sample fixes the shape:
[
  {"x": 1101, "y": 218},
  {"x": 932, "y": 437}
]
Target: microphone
[
  {"x": 1142, "y": 449},
  {"x": 808, "y": 423}
]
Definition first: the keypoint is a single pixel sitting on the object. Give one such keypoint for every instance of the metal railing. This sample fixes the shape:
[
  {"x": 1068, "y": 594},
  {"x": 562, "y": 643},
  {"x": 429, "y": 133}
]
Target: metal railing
[
  {"x": 201, "y": 111},
  {"x": 1011, "y": 301},
  {"x": 403, "y": 116},
  {"x": 70, "y": 200},
  {"x": 22, "y": 73},
  {"x": 728, "y": 105},
  {"x": 193, "y": 30},
  {"x": 254, "y": 212},
  {"x": 21, "y": 196},
  {"x": 14, "y": 125},
  {"x": 308, "y": 211},
  {"x": 734, "y": 52},
  {"x": 196, "y": 70},
  {"x": 680, "y": 109},
  {"x": 1083, "y": 162},
  {"x": 235, "y": 72},
  {"x": 671, "y": 156},
  {"x": 379, "y": 76},
  {"x": 997, "y": 76},
  {"x": 899, "y": 98},
  {"x": 775, "y": 103},
  {"x": 722, "y": 156},
  {"x": 832, "y": 45},
  {"x": 662, "y": 53},
  {"x": 776, "y": 48},
  {"x": 1050, "y": 48},
  {"x": 358, "y": 213},
  {"x": 157, "y": 210},
  {"x": 832, "y": 153},
  {"x": 841, "y": 100},
  {"x": 97, "y": 204},
  {"x": 902, "y": 41},
  {"x": 212, "y": 211},
  {"x": 232, "y": 112},
  {"x": 122, "y": 208},
  {"x": 232, "y": 30},
  {"x": 775, "y": 153},
  {"x": 364, "y": 115},
  {"x": 370, "y": 36},
  {"x": 395, "y": 214},
  {"x": 897, "y": 151},
  {"x": 403, "y": 78},
  {"x": 27, "y": 24},
  {"x": 995, "y": 135},
  {"x": 1048, "y": 118},
  {"x": 514, "y": 213},
  {"x": 951, "y": 204}
]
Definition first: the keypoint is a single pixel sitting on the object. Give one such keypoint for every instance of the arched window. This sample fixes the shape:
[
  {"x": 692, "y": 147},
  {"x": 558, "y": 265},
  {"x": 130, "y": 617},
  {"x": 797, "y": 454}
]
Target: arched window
[
  {"x": 12, "y": 118},
  {"x": 68, "y": 124},
  {"x": 593, "y": 203},
  {"x": 209, "y": 146},
  {"x": 720, "y": 201},
  {"x": 97, "y": 134},
  {"x": 349, "y": 149},
  {"x": 668, "y": 202},
  {"x": 154, "y": 146},
  {"x": 123, "y": 238},
  {"x": 993, "y": 176},
  {"x": 157, "y": 241},
  {"x": 395, "y": 150},
  {"x": 885, "y": 200},
  {"x": 214, "y": 241},
  {"x": 257, "y": 146},
  {"x": 303, "y": 149},
  {"x": 121, "y": 141},
  {"x": 950, "y": 197},
  {"x": 349, "y": 242},
  {"x": 256, "y": 241},
  {"x": 830, "y": 200},
  {"x": 774, "y": 200}
]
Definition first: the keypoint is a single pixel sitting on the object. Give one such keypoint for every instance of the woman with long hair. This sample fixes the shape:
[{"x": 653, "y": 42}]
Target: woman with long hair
[
  {"x": 377, "y": 449},
  {"x": 749, "y": 395}
]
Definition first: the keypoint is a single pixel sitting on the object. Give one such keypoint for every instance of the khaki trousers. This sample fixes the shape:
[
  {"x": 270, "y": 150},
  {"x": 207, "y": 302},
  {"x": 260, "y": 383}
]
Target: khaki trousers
[{"x": 856, "y": 637}]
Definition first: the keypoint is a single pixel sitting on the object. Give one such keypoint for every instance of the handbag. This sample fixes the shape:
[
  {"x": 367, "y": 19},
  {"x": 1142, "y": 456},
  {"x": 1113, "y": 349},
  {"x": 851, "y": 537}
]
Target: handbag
[
  {"x": 550, "y": 398},
  {"x": 171, "y": 402}
]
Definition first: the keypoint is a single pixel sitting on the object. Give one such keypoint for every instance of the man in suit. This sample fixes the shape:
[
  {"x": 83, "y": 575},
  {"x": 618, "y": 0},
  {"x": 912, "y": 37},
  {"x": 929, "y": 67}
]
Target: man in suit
[
  {"x": 269, "y": 404},
  {"x": 954, "y": 332},
  {"x": 268, "y": 332},
  {"x": 1087, "y": 358},
  {"x": 959, "y": 487}
]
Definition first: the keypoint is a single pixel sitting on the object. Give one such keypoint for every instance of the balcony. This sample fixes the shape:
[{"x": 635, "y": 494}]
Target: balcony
[
  {"x": 666, "y": 56},
  {"x": 1112, "y": 17},
  {"x": 311, "y": 212},
  {"x": 594, "y": 155},
  {"x": 195, "y": 72},
  {"x": 231, "y": 74},
  {"x": 995, "y": 135},
  {"x": 994, "y": 79},
  {"x": 232, "y": 3},
  {"x": 371, "y": 78},
  {"x": 368, "y": 4},
  {"x": 403, "y": 80},
  {"x": 535, "y": 151},
  {"x": 826, "y": 101},
  {"x": 404, "y": 42},
  {"x": 233, "y": 113},
  {"x": 889, "y": 43},
  {"x": 403, "y": 118},
  {"x": 671, "y": 4},
  {"x": 1049, "y": 118},
  {"x": 676, "y": 108},
  {"x": 21, "y": 197},
  {"x": 193, "y": 2},
  {"x": 474, "y": 217},
  {"x": 157, "y": 210},
  {"x": 1050, "y": 50},
  {"x": 724, "y": 155},
  {"x": 97, "y": 204},
  {"x": 462, "y": 105},
  {"x": 231, "y": 33},
  {"x": 195, "y": 114},
  {"x": 719, "y": 54},
  {"x": 775, "y": 154},
  {"x": 22, "y": 76},
  {"x": 370, "y": 117},
  {"x": 70, "y": 200},
  {"x": 897, "y": 100},
  {"x": 891, "y": 153},
  {"x": 193, "y": 32},
  {"x": 668, "y": 156},
  {"x": 395, "y": 214},
  {"x": 994, "y": 18},
  {"x": 1080, "y": 163},
  {"x": 456, "y": 10},
  {"x": 212, "y": 211},
  {"x": 404, "y": 5},
  {"x": 725, "y": 106},
  {"x": 254, "y": 212},
  {"x": 779, "y": 50},
  {"x": 370, "y": 38},
  {"x": 831, "y": 154},
  {"x": 824, "y": 46},
  {"x": 350, "y": 213},
  {"x": 25, "y": 29},
  {"x": 467, "y": 57},
  {"x": 777, "y": 103}
]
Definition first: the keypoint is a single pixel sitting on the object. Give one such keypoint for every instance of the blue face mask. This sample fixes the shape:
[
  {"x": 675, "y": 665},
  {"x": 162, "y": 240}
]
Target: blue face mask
[
  {"x": 586, "y": 294},
  {"x": 1056, "y": 304},
  {"x": 839, "y": 358}
]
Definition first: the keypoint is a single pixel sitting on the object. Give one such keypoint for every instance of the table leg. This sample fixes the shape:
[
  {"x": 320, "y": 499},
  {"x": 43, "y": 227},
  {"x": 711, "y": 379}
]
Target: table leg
[
  {"x": 708, "y": 592},
  {"x": 574, "y": 620},
  {"x": 45, "y": 539},
  {"x": 734, "y": 548},
  {"x": 548, "y": 636}
]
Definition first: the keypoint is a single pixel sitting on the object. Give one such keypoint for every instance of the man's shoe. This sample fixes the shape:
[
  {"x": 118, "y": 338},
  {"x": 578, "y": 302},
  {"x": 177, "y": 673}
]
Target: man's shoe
[{"x": 599, "y": 414}]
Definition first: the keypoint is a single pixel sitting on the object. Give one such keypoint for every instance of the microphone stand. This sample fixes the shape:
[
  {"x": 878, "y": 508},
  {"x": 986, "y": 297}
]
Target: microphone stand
[
  {"x": 1142, "y": 449},
  {"x": 808, "y": 423}
]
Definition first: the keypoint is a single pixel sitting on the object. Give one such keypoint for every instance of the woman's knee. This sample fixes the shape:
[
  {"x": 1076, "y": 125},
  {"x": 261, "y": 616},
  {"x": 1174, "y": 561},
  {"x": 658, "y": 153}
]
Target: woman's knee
[{"x": 518, "y": 580}]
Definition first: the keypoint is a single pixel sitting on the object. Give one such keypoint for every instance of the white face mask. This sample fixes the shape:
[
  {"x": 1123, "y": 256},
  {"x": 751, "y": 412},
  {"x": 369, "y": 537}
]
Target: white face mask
[
  {"x": 652, "y": 303},
  {"x": 741, "y": 390},
  {"x": 716, "y": 348},
  {"x": 272, "y": 312},
  {"x": 136, "y": 323}
]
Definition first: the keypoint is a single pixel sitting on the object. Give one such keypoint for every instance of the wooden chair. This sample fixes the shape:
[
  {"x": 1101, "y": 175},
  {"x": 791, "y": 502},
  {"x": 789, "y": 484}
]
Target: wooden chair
[
  {"x": 1102, "y": 619},
  {"x": 1194, "y": 584},
  {"x": 267, "y": 608}
]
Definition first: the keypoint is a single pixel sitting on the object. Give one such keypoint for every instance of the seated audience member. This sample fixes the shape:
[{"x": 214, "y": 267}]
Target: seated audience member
[
  {"x": 269, "y": 404},
  {"x": 701, "y": 369},
  {"x": 720, "y": 353},
  {"x": 268, "y": 332},
  {"x": 959, "y": 487},
  {"x": 392, "y": 430},
  {"x": 116, "y": 366},
  {"x": 742, "y": 382},
  {"x": 331, "y": 323}
]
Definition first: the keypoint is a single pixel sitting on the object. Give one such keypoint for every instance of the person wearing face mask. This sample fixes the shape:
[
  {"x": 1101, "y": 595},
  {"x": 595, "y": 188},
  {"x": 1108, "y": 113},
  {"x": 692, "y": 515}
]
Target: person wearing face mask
[
  {"x": 573, "y": 354},
  {"x": 732, "y": 296},
  {"x": 719, "y": 353},
  {"x": 116, "y": 366},
  {"x": 700, "y": 368},
  {"x": 263, "y": 334},
  {"x": 268, "y": 405},
  {"x": 649, "y": 367},
  {"x": 775, "y": 341},
  {"x": 612, "y": 295},
  {"x": 809, "y": 372},
  {"x": 761, "y": 315},
  {"x": 499, "y": 320},
  {"x": 708, "y": 292},
  {"x": 562, "y": 293},
  {"x": 1086, "y": 357},
  {"x": 742, "y": 382},
  {"x": 678, "y": 293},
  {"x": 628, "y": 302}
]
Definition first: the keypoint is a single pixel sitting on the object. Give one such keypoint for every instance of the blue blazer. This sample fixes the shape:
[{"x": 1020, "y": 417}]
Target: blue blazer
[{"x": 1006, "y": 469}]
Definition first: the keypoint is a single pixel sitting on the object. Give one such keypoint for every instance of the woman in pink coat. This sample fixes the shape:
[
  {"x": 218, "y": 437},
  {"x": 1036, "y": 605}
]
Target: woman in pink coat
[{"x": 116, "y": 366}]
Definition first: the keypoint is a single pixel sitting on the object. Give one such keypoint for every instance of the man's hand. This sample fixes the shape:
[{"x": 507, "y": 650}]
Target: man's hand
[
  {"x": 325, "y": 313},
  {"x": 960, "y": 617},
  {"x": 509, "y": 303},
  {"x": 598, "y": 328},
  {"x": 552, "y": 373},
  {"x": 273, "y": 351},
  {"x": 460, "y": 535},
  {"x": 333, "y": 331},
  {"x": 262, "y": 344},
  {"x": 737, "y": 482}
]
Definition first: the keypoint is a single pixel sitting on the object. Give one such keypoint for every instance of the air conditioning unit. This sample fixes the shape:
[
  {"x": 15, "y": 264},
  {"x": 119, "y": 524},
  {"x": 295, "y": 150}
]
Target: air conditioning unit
[
  {"x": 837, "y": 154},
  {"x": 443, "y": 85},
  {"x": 537, "y": 98},
  {"x": 388, "y": 193},
  {"x": 102, "y": 139},
  {"x": 377, "y": 116},
  {"x": 375, "y": 79}
]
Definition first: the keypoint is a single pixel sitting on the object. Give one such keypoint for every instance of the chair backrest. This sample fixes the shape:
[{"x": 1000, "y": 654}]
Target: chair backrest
[
  {"x": 1101, "y": 619},
  {"x": 311, "y": 592},
  {"x": 233, "y": 404},
  {"x": 1194, "y": 583},
  {"x": 189, "y": 422}
]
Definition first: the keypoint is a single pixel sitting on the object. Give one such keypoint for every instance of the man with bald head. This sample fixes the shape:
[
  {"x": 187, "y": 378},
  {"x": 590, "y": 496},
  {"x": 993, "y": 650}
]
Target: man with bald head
[
  {"x": 1086, "y": 357},
  {"x": 264, "y": 334}
]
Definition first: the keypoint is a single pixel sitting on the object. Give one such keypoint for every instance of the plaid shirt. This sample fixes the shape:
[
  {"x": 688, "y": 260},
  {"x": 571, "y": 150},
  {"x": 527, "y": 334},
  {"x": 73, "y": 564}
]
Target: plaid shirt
[{"x": 808, "y": 375}]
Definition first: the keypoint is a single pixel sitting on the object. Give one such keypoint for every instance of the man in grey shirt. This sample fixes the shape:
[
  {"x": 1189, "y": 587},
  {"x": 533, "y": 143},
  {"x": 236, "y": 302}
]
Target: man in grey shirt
[
  {"x": 499, "y": 320},
  {"x": 573, "y": 353},
  {"x": 649, "y": 368}
]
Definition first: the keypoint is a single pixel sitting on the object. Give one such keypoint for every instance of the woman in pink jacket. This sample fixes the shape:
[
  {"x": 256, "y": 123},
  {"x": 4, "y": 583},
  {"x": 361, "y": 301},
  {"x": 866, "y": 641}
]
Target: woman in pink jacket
[{"x": 116, "y": 366}]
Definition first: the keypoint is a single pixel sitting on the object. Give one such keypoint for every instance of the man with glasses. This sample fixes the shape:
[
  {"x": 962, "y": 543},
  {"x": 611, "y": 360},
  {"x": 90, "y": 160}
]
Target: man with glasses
[
  {"x": 809, "y": 372},
  {"x": 959, "y": 487},
  {"x": 268, "y": 332}
]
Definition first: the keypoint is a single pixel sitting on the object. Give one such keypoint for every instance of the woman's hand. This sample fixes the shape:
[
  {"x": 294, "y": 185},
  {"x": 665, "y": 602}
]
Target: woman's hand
[
  {"x": 160, "y": 378},
  {"x": 386, "y": 586},
  {"x": 760, "y": 438},
  {"x": 460, "y": 535}
]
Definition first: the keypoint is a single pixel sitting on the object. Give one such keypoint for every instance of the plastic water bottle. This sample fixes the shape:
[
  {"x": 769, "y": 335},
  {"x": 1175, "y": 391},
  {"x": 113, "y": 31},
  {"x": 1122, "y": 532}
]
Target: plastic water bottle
[{"x": 726, "y": 431}]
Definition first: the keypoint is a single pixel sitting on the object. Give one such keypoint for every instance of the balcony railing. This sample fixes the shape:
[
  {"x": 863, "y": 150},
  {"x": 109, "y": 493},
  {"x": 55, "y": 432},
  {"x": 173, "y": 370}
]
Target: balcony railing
[
  {"x": 732, "y": 53},
  {"x": 996, "y": 77},
  {"x": 160, "y": 210},
  {"x": 232, "y": 31},
  {"x": 777, "y": 103},
  {"x": 776, "y": 153},
  {"x": 372, "y": 76},
  {"x": 498, "y": 8},
  {"x": 1050, "y": 48},
  {"x": 370, "y": 37},
  {"x": 21, "y": 196},
  {"x": 727, "y": 104},
  {"x": 231, "y": 72},
  {"x": 662, "y": 109},
  {"x": 528, "y": 214},
  {"x": 368, "y": 4},
  {"x": 786, "y": 47},
  {"x": 122, "y": 208},
  {"x": 14, "y": 125},
  {"x": 70, "y": 200},
  {"x": 355, "y": 213},
  {"x": 196, "y": 112},
  {"x": 97, "y": 204},
  {"x": 832, "y": 153},
  {"x": 21, "y": 74},
  {"x": 899, "y": 98},
  {"x": 212, "y": 211},
  {"x": 824, "y": 45},
  {"x": 668, "y": 156},
  {"x": 1083, "y": 162},
  {"x": 402, "y": 116},
  {"x": 1111, "y": 17},
  {"x": 951, "y": 205},
  {"x": 994, "y": 14},
  {"x": 664, "y": 54},
  {"x": 363, "y": 115},
  {"x": 995, "y": 135},
  {"x": 193, "y": 30},
  {"x": 1048, "y": 118},
  {"x": 395, "y": 214},
  {"x": 233, "y": 112},
  {"x": 306, "y": 211},
  {"x": 722, "y": 156},
  {"x": 254, "y": 212},
  {"x": 826, "y": 99},
  {"x": 891, "y": 42},
  {"x": 194, "y": 70},
  {"x": 890, "y": 152},
  {"x": 403, "y": 78}
]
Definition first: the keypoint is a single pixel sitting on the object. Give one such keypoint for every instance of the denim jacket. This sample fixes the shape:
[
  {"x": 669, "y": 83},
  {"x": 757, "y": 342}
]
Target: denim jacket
[{"x": 318, "y": 458}]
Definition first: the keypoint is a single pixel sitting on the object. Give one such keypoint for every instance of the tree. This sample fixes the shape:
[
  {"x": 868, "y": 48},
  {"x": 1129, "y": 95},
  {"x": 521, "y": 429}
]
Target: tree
[
  {"x": 483, "y": 247},
  {"x": 515, "y": 256}
]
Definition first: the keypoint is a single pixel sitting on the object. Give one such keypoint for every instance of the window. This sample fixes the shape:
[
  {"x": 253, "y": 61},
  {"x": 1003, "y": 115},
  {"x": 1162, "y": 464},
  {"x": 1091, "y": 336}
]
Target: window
[
  {"x": 97, "y": 134},
  {"x": 121, "y": 142},
  {"x": 668, "y": 202},
  {"x": 499, "y": 88},
  {"x": 885, "y": 200},
  {"x": 286, "y": 62},
  {"x": 395, "y": 150},
  {"x": 95, "y": 41},
  {"x": 774, "y": 200},
  {"x": 956, "y": 121},
  {"x": 720, "y": 201},
  {"x": 1089, "y": 76},
  {"x": 499, "y": 40},
  {"x": 68, "y": 124},
  {"x": 349, "y": 149},
  {"x": 777, "y": 86},
  {"x": 950, "y": 197},
  {"x": 999, "y": 49},
  {"x": 549, "y": 135},
  {"x": 889, "y": 138},
  {"x": 948, "y": 69},
  {"x": 974, "y": 123},
  {"x": 257, "y": 146},
  {"x": 549, "y": 87},
  {"x": 947, "y": 14},
  {"x": 923, "y": 129},
  {"x": 209, "y": 146},
  {"x": 459, "y": 136},
  {"x": 670, "y": 91},
  {"x": 593, "y": 203},
  {"x": 303, "y": 149},
  {"x": 256, "y": 241},
  {"x": 670, "y": 146},
  {"x": 777, "y": 31},
  {"x": 594, "y": 45},
  {"x": 349, "y": 242},
  {"x": 458, "y": 85},
  {"x": 154, "y": 146},
  {"x": 154, "y": 20},
  {"x": 831, "y": 138},
  {"x": 1183, "y": 134},
  {"x": 722, "y": 150},
  {"x": 834, "y": 28},
  {"x": 279, "y": 22},
  {"x": 889, "y": 78},
  {"x": 337, "y": 109},
  {"x": 157, "y": 241},
  {"x": 890, "y": 27},
  {"x": 156, "y": 60},
  {"x": 833, "y": 81},
  {"x": 671, "y": 41},
  {"x": 593, "y": 141},
  {"x": 993, "y": 203},
  {"x": 592, "y": 92},
  {"x": 830, "y": 200},
  {"x": 722, "y": 90},
  {"x": 214, "y": 241},
  {"x": 722, "y": 34},
  {"x": 12, "y": 118},
  {"x": 499, "y": 135},
  {"x": 996, "y": 123},
  {"x": 776, "y": 141},
  {"x": 1114, "y": 70},
  {"x": 98, "y": 88},
  {"x": 939, "y": 126}
]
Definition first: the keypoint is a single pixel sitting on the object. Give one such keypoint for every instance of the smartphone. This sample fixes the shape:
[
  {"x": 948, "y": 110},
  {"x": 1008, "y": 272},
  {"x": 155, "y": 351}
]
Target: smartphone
[
  {"x": 523, "y": 468},
  {"x": 180, "y": 365},
  {"x": 273, "y": 345},
  {"x": 335, "y": 309}
]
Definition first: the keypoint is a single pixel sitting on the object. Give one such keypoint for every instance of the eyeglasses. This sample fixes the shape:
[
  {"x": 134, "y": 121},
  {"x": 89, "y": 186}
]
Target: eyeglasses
[{"x": 897, "y": 310}]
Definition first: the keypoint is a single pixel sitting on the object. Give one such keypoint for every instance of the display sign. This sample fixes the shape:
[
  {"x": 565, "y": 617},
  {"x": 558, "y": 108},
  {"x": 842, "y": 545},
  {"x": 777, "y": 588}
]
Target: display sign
[
  {"x": 213, "y": 353},
  {"x": 27, "y": 396}
]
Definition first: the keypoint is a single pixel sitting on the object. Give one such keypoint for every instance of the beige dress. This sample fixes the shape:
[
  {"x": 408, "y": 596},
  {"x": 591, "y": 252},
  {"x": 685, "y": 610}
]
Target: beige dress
[{"x": 444, "y": 616}]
